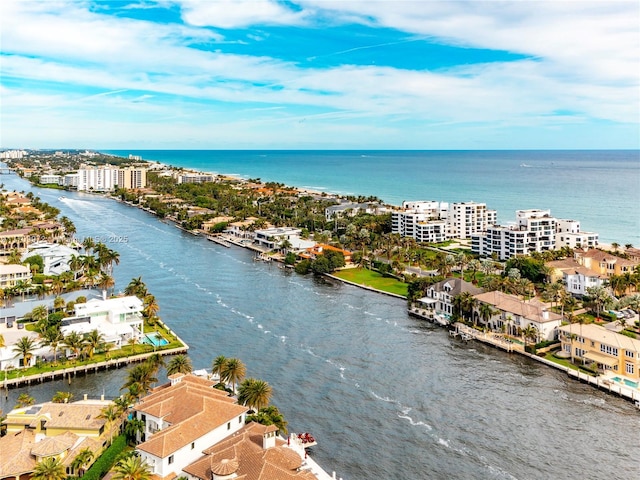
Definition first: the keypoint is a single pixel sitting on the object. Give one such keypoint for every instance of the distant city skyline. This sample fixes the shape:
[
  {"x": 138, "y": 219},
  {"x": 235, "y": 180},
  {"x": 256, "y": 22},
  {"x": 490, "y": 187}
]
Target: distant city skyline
[{"x": 315, "y": 74}]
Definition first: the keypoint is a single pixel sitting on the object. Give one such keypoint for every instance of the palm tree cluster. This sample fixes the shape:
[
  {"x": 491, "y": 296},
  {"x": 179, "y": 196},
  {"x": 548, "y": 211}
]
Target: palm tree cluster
[{"x": 229, "y": 371}]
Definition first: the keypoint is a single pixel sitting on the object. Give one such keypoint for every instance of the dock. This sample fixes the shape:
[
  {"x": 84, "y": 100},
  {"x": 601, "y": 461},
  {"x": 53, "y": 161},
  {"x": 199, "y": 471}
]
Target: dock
[{"x": 219, "y": 240}]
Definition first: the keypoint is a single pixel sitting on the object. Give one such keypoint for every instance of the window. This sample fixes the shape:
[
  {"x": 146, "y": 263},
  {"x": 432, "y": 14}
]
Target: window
[
  {"x": 609, "y": 350},
  {"x": 629, "y": 368},
  {"x": 170, "y": 459},
  {"x": 229, "y": 426},
  {"x": 193, "y": 445},
  {"x": 240, "y": 419},
  {"x": 628, "y": 353}
]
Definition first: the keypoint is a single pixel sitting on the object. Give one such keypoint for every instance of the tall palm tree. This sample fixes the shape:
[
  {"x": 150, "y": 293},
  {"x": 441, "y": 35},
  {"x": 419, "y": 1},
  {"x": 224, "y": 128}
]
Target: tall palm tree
[
  {"x": 25, "y": 347},
  {"x": 74, "y": 342},
  {"x": 132, "y": 468},
  {"x": 81, "y": 461},
  {"x": 105, "y": 282},
  {"x": 140, "y": 377},
  {"x": 179, "y": 364},
  {"x": 52, "y": 337},
  {"x": 151, "y": 306},
  {"x": 486, "y": 312},
  {"x": 93, "y": 341},
  {"x": 254, "y": 393},
  {"x": 50, "y": 468},
  {"x": 110, "y": 413},
  {"x": 136, "y": 287},
  {"x": 218, "y": 366},
  {"x": 234, "y": 371}
]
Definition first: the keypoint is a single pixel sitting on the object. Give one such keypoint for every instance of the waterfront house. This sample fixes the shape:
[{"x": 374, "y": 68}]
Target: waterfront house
[
  {"x": 182, "y": 419},
  {"x": 253, "y": 453},
  {"x": 271, "y": 238},
  {"x": 194, "y": 430},
  {"x": 513, "y": 315},
  {"x": 610, "y": 351},
  {"x": 118, "y": 319},
  {"x": 53, "y": 430},
  {"x": 438, "y": 302}
]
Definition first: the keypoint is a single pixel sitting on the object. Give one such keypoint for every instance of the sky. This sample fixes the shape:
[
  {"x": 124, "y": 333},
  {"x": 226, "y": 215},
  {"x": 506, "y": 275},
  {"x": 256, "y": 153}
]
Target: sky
[{"x": 319, "y": 74}]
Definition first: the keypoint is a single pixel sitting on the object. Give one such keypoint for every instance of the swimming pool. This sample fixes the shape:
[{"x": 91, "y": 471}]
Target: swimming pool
[
  {"x": 155, "y": 339},
  {"x": 628, "y": 383}
]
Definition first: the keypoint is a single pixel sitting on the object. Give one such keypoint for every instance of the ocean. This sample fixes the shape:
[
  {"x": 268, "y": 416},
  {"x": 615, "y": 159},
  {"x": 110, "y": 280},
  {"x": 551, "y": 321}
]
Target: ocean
[{"x": 599, "y": 188}]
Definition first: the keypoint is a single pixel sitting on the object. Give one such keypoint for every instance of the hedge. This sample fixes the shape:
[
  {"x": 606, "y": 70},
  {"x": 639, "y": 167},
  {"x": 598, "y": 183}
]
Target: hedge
[{"x": 101, "y": 466}]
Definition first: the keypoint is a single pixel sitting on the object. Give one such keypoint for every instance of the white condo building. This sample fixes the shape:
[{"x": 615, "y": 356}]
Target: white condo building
[
  {"x": 97, "y": 179},
  {"x": 534, "y": 231},
  {"x": 434, "y": 222}
]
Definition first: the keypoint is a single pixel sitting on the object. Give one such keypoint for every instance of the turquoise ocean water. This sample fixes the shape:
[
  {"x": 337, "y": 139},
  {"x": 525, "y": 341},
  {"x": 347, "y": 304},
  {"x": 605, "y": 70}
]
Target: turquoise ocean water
[{"x": 599, "y": 188}]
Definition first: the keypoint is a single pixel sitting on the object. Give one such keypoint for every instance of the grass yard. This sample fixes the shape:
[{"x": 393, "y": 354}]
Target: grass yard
[{"x": 372, "y": 279}]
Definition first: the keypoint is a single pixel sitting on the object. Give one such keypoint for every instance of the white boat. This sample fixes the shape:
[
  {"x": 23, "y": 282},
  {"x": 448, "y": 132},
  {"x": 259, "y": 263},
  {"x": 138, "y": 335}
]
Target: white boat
[
  {"x": 525, "y": 165},
  {"x": 62, "y": 199}
]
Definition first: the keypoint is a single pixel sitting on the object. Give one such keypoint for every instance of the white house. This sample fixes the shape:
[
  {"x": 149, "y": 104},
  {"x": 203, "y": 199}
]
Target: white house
[
  {"x": 182, "y": 419},
  {"x": 55, "y": 257},
  {"x": 271, "y": 238},
  {"x": 438, "y": 301},
  {"x": 118, "y": 319}
]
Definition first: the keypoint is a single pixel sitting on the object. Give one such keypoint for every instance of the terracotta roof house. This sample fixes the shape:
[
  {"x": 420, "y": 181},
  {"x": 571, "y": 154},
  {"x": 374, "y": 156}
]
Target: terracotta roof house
[
  {"x": 605, "y": 263},
  {"x": 252, "y": 453},
  {"x": 516, "y": 315},
  {"x": 49, "y": 430},
  {"x": 194, "y": 430},
  {"x": 183, "y": 418}
]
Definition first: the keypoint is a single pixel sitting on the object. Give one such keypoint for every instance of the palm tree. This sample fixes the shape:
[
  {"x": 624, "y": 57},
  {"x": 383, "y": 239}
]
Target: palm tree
[
  {"x": 136, "y": 287},
  {"x": 58, "y": 303},
  {"x": 25, "y": 400},
  {"x": 151, "y": 307},
  {"x": 25, "y": 347},
  {"x": 105, "y": 282},
  {"x": 132, "y": 468},
  {"x": 92, "y": 342},
  {"x": 254, "y": 393},
  {"x": 52, "y": 337},
  {"x": 74, "y": 342},
  {"x": 234, "y": 371},
  {"x": 50, "y": 468},
  {"x": 486, "y": 312},
  {"x": 132, "y": 428},
  {"x": 88, "y": 244},
  {"x": 179, "y": 364},
  {"x": 110, "y": 413},
  {"x": 39, "y": 313},
  {"x": 218, "y": 366},
  {"x": 81, "y": 461},
  {"x": 62, "y": 397},
  {"x": 140, "y": 378},
  {"x": 270, "y": 416}
]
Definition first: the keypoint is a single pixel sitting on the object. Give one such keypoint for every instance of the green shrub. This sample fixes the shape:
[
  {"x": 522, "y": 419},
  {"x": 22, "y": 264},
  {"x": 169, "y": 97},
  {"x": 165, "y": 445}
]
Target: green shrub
[
  {"x": 629, "y": 334},
  {"x": 104, "y": 463},
  {"x": 546, "y": 343}
]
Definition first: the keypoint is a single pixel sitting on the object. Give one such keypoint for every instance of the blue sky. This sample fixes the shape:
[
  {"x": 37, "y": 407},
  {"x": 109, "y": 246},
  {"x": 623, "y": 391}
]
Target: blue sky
[{"x": 319, "y": 74}]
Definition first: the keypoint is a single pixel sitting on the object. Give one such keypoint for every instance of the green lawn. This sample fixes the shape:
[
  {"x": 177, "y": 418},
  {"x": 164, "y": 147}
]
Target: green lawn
[{"x": 372, "y": 279}]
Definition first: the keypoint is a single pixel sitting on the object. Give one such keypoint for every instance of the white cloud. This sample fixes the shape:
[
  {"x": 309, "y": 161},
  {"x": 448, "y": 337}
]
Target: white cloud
[
  {"x": 585, "y": 60},
  {"x": 238, "y": 13}
]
